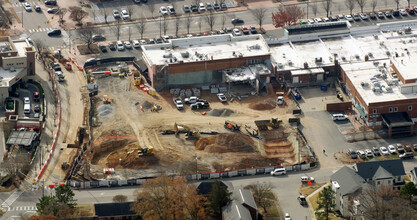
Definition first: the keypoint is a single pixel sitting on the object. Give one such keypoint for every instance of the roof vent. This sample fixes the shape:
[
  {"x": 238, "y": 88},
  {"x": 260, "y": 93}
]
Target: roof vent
[
  {"x": 364, "y": 84},
  {"x": 167, "y": 55},
  {"x": 185, "y": 54}
]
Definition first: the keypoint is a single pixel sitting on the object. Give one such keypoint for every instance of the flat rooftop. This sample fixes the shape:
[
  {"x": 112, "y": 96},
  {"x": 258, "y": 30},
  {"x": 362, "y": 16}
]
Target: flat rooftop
[
  {"x": 20, "y": 46},
  {"x": 376, "y": 83},
  {"x": 21, "y": 137},
  {"x": 215, "y": 47}
]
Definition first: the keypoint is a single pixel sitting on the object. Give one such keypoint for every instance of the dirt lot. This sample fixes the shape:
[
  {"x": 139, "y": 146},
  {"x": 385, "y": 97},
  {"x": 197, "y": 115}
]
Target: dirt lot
[{"x": 123, "y": 128}]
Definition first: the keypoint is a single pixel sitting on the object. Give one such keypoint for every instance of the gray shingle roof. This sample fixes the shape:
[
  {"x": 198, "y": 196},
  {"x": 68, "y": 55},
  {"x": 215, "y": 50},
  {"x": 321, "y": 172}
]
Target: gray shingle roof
[
  {"x": 235, "y": 211},
  {"x": 348, "y": 180},
  {"x": 382, "y": 173},
  {"x": 368, "y": 169},
  {"x": 244, "y": 196}
]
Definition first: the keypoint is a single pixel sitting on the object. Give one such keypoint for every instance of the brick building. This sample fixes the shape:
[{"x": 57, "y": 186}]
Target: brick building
[
  {"x": 17, "y": 60},
  {"x": 202, "y": 60}
]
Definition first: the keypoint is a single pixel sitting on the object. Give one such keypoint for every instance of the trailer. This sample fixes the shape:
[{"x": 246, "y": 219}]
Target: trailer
[{"x": 295, "y": 93}]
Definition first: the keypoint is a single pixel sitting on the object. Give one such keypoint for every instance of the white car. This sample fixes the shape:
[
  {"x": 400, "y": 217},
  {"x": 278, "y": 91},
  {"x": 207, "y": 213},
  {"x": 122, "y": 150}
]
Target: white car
[
  {"x": 221, "y": 97},
  {"x": 178, "y": 103},
  {"x": 339, "y": 117},
  {"x": 128, "y": 45},
  {"x": 202, "y": 7},
  {"x": 278, "y": 172},
  {"x": 361, "y": 154},
  {"x": 384, "y": 151},
  {"x": 163, "y": 10},
  {"x": 392, "y": 149},
  {"x": 403, "y": 12},
  {"x": 287, "y": 216},
  {"x": 189, "y": 35},
  {"x": 27, "y": 7},
  {"x": 125, "y": 14},
  {"x": 135, "y": 43},
  {"x": 318, "y": 20},
  {"x": 369, "y": 153},
  {"x": 142, "y": 42},
  {"x": 26, "y": 100},
  {"x": 349, "y": 17},
  {"x": 310, "y": 21},
  {"x": 120, "y": 46},
  {"x": 325, "y": 19},
  {"x": 236, "y": 32},
  {"x": 280, "y": 100},
  {"x": 305, "y": 179},
  {"x": 116, "y": 14}
]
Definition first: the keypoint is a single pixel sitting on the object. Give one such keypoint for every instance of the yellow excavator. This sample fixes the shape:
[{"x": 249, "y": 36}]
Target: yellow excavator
[
  {"x": 191, "y": 134},
  {"x": 146, "y": 151}
]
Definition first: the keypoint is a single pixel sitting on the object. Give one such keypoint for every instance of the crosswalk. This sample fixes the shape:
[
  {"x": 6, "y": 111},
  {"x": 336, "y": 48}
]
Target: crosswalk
[
  {"x": 40, "y": 30},
  {"x": 9, "y": 201},
  {"x": 20, "y": 4},
  {"x": 22, "y": 208}
]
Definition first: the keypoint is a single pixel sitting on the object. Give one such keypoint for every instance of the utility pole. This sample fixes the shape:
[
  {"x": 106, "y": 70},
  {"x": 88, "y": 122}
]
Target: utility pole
[
  {"x": 307, "y": 7},
  {"x": 160, "y": 28}
]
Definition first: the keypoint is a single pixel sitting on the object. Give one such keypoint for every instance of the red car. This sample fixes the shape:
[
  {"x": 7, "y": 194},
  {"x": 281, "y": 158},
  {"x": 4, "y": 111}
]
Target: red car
[
  {"x": 410, "y": 10},
  {"x": 36, "y": 96},
  {"x": 245, "y": 30}
]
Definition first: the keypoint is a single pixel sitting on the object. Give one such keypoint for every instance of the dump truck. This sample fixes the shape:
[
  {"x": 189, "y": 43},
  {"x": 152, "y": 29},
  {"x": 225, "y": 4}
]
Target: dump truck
[
  {"x": 264, "y": 124},
  {"x": 231, "y": 125}
]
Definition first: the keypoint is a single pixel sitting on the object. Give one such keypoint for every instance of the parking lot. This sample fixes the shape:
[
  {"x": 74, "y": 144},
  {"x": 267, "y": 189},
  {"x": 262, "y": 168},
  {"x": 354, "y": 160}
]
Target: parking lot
[
  {"x": 27, "y": 90},
  {"x": 142, "y": 10}
]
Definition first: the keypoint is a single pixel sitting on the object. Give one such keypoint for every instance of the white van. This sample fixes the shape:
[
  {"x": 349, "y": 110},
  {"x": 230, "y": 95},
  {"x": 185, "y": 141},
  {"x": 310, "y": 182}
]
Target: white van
[
  {"x": 278, "y": 171},
  {"x": 26, "y": 108},
  {"x": 339, "y": 117}
]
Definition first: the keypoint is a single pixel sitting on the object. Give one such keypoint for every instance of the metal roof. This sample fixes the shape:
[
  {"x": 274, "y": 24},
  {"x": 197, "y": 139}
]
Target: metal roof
[{"x": 24, "y": 138}]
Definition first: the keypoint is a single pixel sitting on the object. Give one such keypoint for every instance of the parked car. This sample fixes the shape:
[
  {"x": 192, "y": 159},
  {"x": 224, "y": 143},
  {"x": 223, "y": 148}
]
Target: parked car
[
  {"x": 415, "y": 147},
  {"x": 55, "y": 32},
  {"x": 318, "y": 20},
  {"x": 384, "y": 151},
  {"x": 278, "y": 171},
  {"x": 388, "y": 14},
  {"x": 125, "y": 14},
  {"x": 36, "y": 96},
  {"x": 406, "y": 155},
  {"x": 194, "y": 8},
  {"x": 400, "y": 148},
  {"x": 361, "y": 154},
  {"x": 111, "y": 46},
  {"x": 410, "y": 10},
  {"x": 228, "y": 30},
  {"x": 363, "y": 16},
  {"x": 36, "y": 115},
  {"x": 135, "y": 43},
  {"x": 142, "y": 42},
  {"x": 237, "y": 21},
  {"x": 236, "y": 32},
  {"x": 253, "y": 30},
  {"x": 401, "y": 12},
  {"x": 349, "y": 17},
  {"x": 221, "y": 97},
  {"x": 163, "y": 10},
  {"x": 391, "y": 149},
  {"x": 209, "y": 6},
  {"x": 216, "y": 6},
  {"x": 380, "y": 15},
  {"x": 376, "y": 152},
  {"x": 102, "y": 48},
  {"x": 38, "y": 8},
  {"x": 52, "y": 10},
  {"x": 305, "y": 179},
  {"x": 186, "y": 9},
  {"x": 178, "y": 103},
  {"x": 128, "y": 45},
  {"x": 116, "y": 14},
  {"x": 310, "y": 21},
  {"x": 220, "y": 32},
  {"x": 356, "y": 17},
  {"x": 26, "y": 100},
  {"x": 166, "y": 38},
  {"x": 352, "y": 154},
  {"x": 120, "y": 46},
  {"x": 245, "y": 30},
  {"x": 333, "y": 18},
  {"x": 171, "y": 10},
  {"x": 201, "y": 7},
  {"x": 37, "y": 108},
  {"x": 339, "y": 117},
  {"x": 50, "y": 2},
  {"x": 159, "y": 40},
  {"x": 287, "y": 216},
  {"x": 151, "y": 41},
  {"x": 98, "y": 38},
  {"x": 368, "y": 153},
  {"x": 27, "y": 7},
  {"x": 136, "y": 1},
  {"x": 372, "y": 15},
  {"x": 340, "y": 17},
  {"x": 302, "y": 200},
  {"x": 223, "y": 6}
]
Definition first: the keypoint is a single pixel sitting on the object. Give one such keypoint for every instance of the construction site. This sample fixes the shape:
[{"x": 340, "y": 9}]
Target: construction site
[{"x": 140, "y": 133}]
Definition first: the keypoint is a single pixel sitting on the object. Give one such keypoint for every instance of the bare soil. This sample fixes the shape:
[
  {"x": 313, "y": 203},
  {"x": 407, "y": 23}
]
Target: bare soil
[{"x": 132, "y": 126}]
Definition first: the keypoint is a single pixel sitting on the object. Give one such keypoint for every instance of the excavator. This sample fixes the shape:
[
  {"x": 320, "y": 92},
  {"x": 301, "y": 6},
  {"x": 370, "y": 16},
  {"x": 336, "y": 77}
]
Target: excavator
[
  {"x": 231, "y": 125},
  {"x": 146, "y": 151},
  {"x": 191, "y": 134}
]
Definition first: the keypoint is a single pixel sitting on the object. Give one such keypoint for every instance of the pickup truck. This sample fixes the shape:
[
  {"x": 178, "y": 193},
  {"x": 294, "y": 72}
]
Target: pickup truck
[
  {"x": 302, "y": 200},
  {"x": 306, "y": 179},
  {"x": 201, "y": 104},
  {"x": 191, "y": 100},
  {"x": 178, "y": 103}
]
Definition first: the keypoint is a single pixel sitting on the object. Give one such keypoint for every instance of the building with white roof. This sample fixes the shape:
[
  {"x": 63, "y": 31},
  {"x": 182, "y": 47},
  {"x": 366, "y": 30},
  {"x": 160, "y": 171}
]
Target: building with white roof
[
  {"x": 201, "y": 60},
  {"x": 17, "y": 60}
]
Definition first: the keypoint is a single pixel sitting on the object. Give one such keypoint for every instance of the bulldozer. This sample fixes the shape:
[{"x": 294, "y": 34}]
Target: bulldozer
[
  {"x": 146, "y": 151},
  {"x": 231, "y": 125},
  {"x": 191, "y": 134},
  {"x": 264, "y": 124}
]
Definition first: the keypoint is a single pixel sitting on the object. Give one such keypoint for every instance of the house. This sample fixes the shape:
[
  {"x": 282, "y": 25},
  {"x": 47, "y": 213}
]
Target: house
[
  {"x": 242, "y": 206},
  {"x": 119, "y": 210},
  {"x": 413, "y": 175},
  {"x": 347, "y": 182}
]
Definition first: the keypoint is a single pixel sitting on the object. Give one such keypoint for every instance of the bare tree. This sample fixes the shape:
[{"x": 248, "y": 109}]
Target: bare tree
[
  {"x": 105, "y": 14},
  {"x": 175, "y": 4},
  {"x": 262, "y": 193},
  {"x": 129, "y": 32},
  {"x": 93, "y": 12},
  {"x": 188, "y": 21},
  {"x": 86, "y": 36},
  {"x": 327, "y": 5},
  {"x": 119, "y": 198},
  {"x": 350, "y": 4},
  {"x": 223, "y": 20},
  {"x": 361, "y": 4},
  {"x": 130, "y": 10},
  {"x": 397, "y": 2},
  {"x": 165, "y": 25},
  {"x": 39, "y": 45},
  {"x": 116, "y": 28},
  {"x": 199, "y": 23},
  {"x": 408, "y": 1},
  {"x": 374, "y": 3},
  {"x": 16, "y": 166},
  {"x": 151, "y": 7},
  {"x": 260, "y": 15},
  {"x": 61, "y": 13},
  {"x": 210, "y": 19},
  {"x": 77, "y": 14},
  {"x": 177, "y": 25},
  {"x": 141, "y": 26},
  {"x": 314, "y": 9}
]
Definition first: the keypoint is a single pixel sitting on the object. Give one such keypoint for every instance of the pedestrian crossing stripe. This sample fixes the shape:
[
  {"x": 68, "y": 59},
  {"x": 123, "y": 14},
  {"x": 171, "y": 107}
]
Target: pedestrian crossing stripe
[
  {"x": 22, "y": 208},
  {"x": 39, "y": 30},
  {"x": 20, "y": 4}
]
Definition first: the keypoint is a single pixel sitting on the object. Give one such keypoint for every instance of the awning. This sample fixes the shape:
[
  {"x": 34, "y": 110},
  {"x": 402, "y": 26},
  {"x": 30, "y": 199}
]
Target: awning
[
  {"x": 361, "y": 111},
  {"x": 397, "y": 119}
]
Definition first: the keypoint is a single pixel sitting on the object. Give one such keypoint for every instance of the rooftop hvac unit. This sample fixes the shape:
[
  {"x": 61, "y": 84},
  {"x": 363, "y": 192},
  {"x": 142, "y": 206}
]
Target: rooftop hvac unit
[
  {"x": 387, "y": 53},
  {"x": 389, "y": 89},
  {"x": 364, "y": 84},
  {"x": 343, "y": 58},
  {"x": 376, "y": 89},
  {"x": 319, "y": 59},
  {"x": 280, "y": 65},
  {"x": 167, "y": 55},
  {"x": 185, "y": 54},
  {"x": 305, "y": 65},
  {"x": 370, "y": 54},
  {"x": 290, "y": 63},
  {"x": 357, "y": 57}
]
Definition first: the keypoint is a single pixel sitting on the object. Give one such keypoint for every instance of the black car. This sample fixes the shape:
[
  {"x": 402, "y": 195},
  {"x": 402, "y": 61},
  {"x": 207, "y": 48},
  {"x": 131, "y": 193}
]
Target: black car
[
  {"x": 186, "y": 9},
  {"x": 406, "y": 155},
  {"x": 396, "y": 13},
  {"x": 144, "y": 1},
  {"x": 111, "y": 46},
  {"x": 237, "y": 21},
  {"x": 372, "y": 15},
  {"x": 376, "y": 152},
  {"x": 253, "y": 30},
  {"x": 37, "y": 108},
  {"x": 158, "y": 40},
  {"x": 98, "y": 38},
  {"x": 216, "y": 6},
  {"x": 50, "y": 2},
  {"x": 194, "y": 8},
  {"x": 55, "y": 32},
  {"x": 136, "y": 1},
  {"x": 38, "y": 8},
  {"x": 102, "y": 48},
  {"x": 352, "y": 154}
]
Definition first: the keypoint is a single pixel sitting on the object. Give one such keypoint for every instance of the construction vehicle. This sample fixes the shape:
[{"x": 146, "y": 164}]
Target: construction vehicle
[
  {"x": 136, "y": 77},
  {"x": 264, "y": 124},
  {"x": 68, "y": 66},
  {"x": 191, "y": 134},
  {"x": 231, "y": 125},
  {"x": 146, "y": 151},
  {"x": 251, "y": 131},
  {"x": 156, "y": 108},
  {"x": 65, "y": 165},
  {"x": 106, "y": 100}
]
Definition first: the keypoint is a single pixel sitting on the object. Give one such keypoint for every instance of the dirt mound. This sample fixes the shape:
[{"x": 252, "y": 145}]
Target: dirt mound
[
  {"x": 222, "y": 112},
  {"x": 107, "y": 147},
  {"x": 262, "y": 106},
  {"x": 223, "y": 143},
  {"x": 128, "y": 158}
]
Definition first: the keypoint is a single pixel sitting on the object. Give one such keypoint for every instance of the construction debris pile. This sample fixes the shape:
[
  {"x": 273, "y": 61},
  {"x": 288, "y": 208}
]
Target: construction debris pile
[{"x": 223, "y": 143}]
